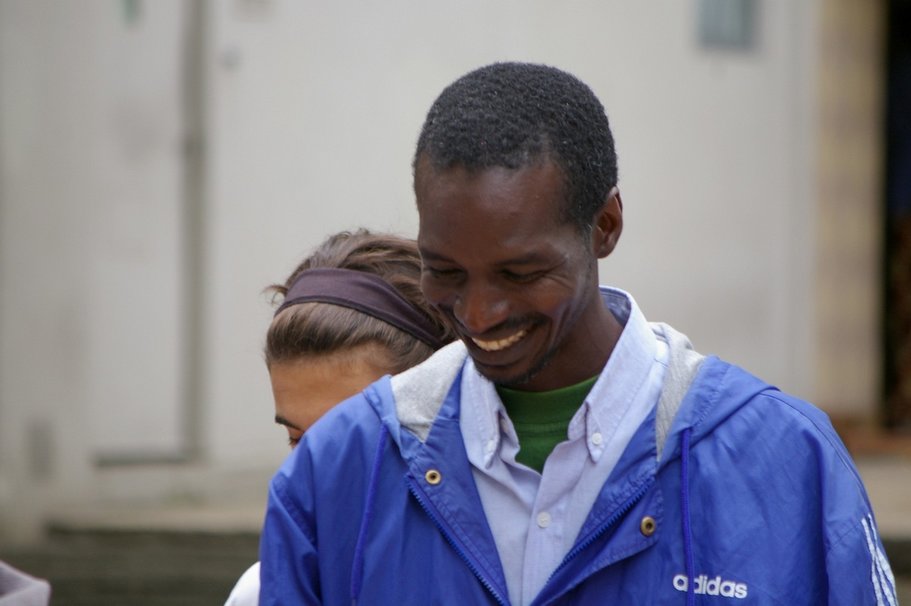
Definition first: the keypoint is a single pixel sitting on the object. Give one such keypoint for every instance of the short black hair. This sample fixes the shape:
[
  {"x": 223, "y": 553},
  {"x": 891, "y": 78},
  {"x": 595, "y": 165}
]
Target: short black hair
[{"x": 513, "y": 114}]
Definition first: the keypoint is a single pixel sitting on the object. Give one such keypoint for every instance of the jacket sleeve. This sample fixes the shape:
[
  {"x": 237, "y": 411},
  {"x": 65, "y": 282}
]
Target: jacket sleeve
[
  {"x": 858, "y": 570},
  {"x": 289, "y": 572}
]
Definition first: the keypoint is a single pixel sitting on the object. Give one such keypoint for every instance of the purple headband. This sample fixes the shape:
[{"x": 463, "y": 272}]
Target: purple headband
[{"x": 367, "y": 293}]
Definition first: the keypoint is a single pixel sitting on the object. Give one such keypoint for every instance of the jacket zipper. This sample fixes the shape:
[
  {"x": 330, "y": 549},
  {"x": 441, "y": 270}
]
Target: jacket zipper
[
  {"x": 624, "y": 509},
  {"x": 462, "y": 555}
]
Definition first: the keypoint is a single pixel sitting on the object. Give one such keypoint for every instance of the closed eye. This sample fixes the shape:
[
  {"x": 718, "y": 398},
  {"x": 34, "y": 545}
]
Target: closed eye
[
  {"x": 521, "y": 277},
  {"x": 442, "y": 273},
  {"x": 295, "y": 433}
]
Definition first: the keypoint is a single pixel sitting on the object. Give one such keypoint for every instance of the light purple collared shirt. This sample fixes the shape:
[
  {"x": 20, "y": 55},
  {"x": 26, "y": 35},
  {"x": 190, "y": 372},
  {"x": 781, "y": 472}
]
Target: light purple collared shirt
[{"x": 534, "y": 517}]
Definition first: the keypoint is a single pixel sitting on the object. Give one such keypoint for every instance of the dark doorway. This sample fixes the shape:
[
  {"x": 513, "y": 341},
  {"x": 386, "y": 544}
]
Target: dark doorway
[{"x": 897, "y": 259}]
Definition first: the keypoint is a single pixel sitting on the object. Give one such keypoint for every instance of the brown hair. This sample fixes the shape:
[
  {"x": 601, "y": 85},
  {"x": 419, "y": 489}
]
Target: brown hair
[{"x": 323, "y": 328}]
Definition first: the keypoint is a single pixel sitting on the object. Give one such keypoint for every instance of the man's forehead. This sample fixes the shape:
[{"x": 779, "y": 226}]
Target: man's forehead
[{"x": 459, "y": 176}]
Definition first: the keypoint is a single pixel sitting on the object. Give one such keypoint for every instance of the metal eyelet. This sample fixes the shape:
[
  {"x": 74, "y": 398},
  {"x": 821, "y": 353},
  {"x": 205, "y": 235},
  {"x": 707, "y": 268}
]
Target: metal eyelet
[
  {"x": 433, "y": 477},
  {"x": 648, "y": 526}
]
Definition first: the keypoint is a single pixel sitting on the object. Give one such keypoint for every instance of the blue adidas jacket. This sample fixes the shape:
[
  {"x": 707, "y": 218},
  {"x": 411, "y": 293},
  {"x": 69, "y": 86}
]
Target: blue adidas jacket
[{"x": 753, "y": 499}]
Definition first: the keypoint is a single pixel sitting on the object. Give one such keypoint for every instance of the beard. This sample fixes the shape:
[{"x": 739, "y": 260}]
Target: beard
[
  {"x": 542, "y": 362},
  {"x": 526, "y": 377}
]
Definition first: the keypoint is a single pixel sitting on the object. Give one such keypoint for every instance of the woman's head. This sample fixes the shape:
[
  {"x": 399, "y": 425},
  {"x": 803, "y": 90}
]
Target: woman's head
[{"x": 351, "y": 312}]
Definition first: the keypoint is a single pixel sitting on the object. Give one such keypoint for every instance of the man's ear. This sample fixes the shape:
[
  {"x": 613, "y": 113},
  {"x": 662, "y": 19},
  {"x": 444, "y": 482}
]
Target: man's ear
[{"x": 608, "y": 224}]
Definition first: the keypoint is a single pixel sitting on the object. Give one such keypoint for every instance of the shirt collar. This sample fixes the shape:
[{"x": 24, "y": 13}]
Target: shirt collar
[{"x": 623, "y": 376}]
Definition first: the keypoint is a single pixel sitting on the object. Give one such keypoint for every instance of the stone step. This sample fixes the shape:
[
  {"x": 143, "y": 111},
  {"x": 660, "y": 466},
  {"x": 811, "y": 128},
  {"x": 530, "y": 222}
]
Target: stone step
[
  {"x": 145, "y": 570},
  {"x": 143, "y": 556}
]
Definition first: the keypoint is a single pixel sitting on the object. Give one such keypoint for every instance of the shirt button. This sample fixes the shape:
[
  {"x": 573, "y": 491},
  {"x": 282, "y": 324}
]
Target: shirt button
[
  {"x": 491, "y": 446},
  {"x": 597, "y": 439},
  {"x": 543, "y": 519}
]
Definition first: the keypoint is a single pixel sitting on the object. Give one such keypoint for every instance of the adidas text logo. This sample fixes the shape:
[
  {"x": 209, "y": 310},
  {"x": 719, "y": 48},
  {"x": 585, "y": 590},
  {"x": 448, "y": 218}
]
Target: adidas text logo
[{"x": 712, "y": 586}]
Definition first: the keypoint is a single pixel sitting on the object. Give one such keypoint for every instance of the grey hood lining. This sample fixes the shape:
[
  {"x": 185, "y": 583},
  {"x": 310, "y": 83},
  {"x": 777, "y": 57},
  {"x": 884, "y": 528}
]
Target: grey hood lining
[
  {"x": 420, "y": 391},
  {"x": 682, "y": 366}
]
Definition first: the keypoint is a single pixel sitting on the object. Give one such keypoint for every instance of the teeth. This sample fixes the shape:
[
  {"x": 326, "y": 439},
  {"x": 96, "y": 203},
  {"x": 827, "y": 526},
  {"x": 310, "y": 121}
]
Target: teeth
[{"x": 499, "y": 344}]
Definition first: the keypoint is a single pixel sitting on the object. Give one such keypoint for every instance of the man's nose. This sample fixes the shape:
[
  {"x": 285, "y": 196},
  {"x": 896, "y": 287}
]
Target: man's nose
[{"x": 481, "y": 307}]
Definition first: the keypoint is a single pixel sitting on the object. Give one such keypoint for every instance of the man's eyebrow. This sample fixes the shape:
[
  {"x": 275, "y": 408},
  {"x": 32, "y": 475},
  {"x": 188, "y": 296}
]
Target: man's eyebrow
[
  {"x": 427, "y": 254},
  {"x": 283, "y": 421},
  {"x": 529, "y": 259}
]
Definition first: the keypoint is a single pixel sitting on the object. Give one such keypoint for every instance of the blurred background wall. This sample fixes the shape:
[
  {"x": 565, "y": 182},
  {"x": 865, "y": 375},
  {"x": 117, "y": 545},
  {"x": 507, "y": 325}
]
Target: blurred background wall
[{"x": 161, "y": 162}]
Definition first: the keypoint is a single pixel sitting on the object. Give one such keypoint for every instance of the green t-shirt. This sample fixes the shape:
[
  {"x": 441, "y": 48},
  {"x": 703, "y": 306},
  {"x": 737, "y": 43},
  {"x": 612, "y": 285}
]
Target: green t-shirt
[{"x": 541, "y": 418}]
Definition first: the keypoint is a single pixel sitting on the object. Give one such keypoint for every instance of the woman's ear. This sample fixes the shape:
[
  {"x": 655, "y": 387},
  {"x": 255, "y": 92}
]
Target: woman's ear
[{"x": 608, "y": 224}]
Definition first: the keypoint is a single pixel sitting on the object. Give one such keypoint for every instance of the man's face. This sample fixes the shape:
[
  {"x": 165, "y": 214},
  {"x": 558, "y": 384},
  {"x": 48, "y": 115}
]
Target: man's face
[{"x": 518, "y": 283}]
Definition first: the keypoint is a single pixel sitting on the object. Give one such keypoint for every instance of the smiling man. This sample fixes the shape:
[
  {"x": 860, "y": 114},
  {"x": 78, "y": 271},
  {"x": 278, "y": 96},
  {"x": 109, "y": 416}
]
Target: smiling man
[
  {"x": 519, "y": 283},
  {"x": 566, "y": 451}
]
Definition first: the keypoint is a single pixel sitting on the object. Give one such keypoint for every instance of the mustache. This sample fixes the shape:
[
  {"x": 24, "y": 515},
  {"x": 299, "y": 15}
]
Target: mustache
[{"x": 508, "y": 325}]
